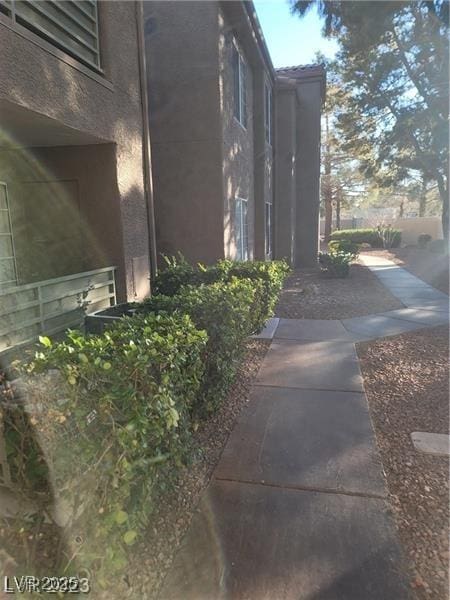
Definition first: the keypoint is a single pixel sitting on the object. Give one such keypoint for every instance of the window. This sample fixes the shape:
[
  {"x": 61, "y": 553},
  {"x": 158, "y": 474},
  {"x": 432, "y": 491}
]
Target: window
[
  {"x": 71, "y": 25},
  {"x": 268, "y": 112},
  {"x": 268, "y": 232},
  {"x": 8, "y": 272},
  {"x": 240, "y": 87},
  {"x": 241, "y": 229}
]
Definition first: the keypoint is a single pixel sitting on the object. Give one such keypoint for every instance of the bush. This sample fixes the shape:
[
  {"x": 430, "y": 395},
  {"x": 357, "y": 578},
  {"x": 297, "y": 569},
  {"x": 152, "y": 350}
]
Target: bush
[
  {"x": 423, "y": 240},
  {"x": 346, "y": 246},
  {"x": 373, "y": 236},
  {"x": 271, "y": 274},
  {"x": 113, "y": 425},
  {"x": 391, "y": 237},
  {"x": 179, "y": 273},
  {"x": 335, "y": 265},
  {"x": 224, "y": 311}
]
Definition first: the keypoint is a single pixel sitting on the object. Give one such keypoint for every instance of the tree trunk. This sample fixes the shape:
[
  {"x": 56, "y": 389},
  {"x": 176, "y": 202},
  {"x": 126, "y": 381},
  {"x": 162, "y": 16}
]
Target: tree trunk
[
  {"x": 328, "y": 215},
  {"x": 423, "y": 198},
  {"x": 443, "y": 193},
  {"x": 327, "y": 192},
  {"x": 338, "y": 208}
]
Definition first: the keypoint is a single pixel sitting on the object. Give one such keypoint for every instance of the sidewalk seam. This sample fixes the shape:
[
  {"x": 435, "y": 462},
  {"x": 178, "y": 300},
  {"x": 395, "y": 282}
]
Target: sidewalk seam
[{"x": 302, "y": 488}]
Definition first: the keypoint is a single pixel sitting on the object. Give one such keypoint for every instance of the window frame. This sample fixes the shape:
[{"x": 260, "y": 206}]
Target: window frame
[
  {"x": 21, "y": 21},
  {"x": 10, "y": 234},
  {"x": 268, "y": 112},
  {"x": 240, "y": 108},
  {"x": 268, "y": 229},
  {"x": 241, "y": 225}
]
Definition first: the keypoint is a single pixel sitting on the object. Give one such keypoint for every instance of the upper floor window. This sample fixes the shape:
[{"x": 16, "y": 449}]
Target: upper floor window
[
  {"x": 241, "y": 228},
  {"x": 240, "y": 87},
  {"x": 268, "y": 112},
  {"x": 71, "y": 25}
]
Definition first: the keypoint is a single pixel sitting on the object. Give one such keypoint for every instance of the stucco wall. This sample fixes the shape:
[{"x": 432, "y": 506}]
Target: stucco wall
[
  {"x": 285, "y": 176},
  {"x": 183, "y": 73},
  {"x": 63, "y": 217},
  {"x": 238, "y": 164},
  {"x": 35, "y": 79},
  {"x": 263, "y": 159},
  {"x": 308, "y": 172}
]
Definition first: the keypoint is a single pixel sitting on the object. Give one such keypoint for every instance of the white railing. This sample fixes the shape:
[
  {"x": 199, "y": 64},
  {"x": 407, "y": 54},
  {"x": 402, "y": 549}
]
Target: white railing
[{"x": 49, "y": 307}]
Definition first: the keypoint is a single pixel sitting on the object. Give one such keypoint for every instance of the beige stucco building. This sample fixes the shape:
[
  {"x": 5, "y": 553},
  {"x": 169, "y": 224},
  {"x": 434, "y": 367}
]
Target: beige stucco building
[
  {"x": 300, "y": 92},
  {"x": 223, "y": 123},
  {"x": 75, "y": 189},
  {"x": 130, "y": 129},
  {"x": 209, "y": 77}
]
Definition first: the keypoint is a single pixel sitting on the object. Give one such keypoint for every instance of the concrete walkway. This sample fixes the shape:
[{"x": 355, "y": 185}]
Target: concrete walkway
[{"x": 297, "y": 509}]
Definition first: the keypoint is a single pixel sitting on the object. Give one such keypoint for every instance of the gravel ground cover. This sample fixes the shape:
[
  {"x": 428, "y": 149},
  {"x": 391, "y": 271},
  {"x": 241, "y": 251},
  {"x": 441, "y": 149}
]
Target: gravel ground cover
[
  {"x": 432, "y": 268},
  {"x": 152, "y": 557},
  {"x": 307, "y": 295},
  {"x": 406, "y": 381}
]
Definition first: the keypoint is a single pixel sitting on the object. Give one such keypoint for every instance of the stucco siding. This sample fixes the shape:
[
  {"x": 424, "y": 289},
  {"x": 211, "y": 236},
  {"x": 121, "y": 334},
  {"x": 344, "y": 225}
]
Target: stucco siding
[
  {"x": 183, "y": 75},
  {"x": 238, "y": 163},
  {"x": 33, "y": 78}
]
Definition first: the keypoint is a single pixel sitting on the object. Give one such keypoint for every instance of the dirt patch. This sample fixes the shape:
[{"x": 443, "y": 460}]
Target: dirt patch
[
  {"x": 406, "y": 381},
  {"x": 430, "y": 267},
  {"x": 307, "y": 295},
  {"x": 154, "y": 556}
]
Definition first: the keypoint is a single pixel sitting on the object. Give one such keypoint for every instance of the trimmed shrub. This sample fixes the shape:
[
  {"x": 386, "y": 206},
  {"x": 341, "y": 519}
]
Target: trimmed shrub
[
  {"x": 271, "y": 273},
  {"x": 178, "y": 272},
  {"x": 371, "y": 236},
  {"x": 224, "y": 311},
  {"x": 335, "y": 265},
  {"x": 423, "y": 240},
  {"x": 346, "y": 246},
  {"x": 113, "y": 423}
]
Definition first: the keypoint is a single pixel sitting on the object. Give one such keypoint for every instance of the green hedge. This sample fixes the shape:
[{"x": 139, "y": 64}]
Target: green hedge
[
  {"x": 114, "y": 425},
  {"x": 271, "y": 274},
  {"x": 224, "y": 311},
  {"x": 113, "y": 414},
  {"x": 179, "y": 273},
  {"x": 346, "y": 246},
  {"x": 373, "y": 236},
  {"x": 335, "y": 265}
]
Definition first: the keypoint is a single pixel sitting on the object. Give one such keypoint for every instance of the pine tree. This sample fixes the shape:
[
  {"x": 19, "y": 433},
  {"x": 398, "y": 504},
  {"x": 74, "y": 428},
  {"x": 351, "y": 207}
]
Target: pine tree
[{"x": 394, "y": 67}]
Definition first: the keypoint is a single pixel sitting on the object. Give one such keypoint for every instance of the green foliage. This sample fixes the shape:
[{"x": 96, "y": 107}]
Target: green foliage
[
  {"x": 423, "y": 240},
  {"x": 391, "y": 237},
  {"x": 177, "y": 272},
  {"x": 335, "y": 265},
  {"x": 346, "y": 246},
  {"x": 113, "y": 414},
  {"x": 367, "y": 236},
  {"x": 271, "y": 274},
  {"x": 114, "y": 426},
  {"x": 394, "y": 64},
  {"x": 224, "y": 311}
]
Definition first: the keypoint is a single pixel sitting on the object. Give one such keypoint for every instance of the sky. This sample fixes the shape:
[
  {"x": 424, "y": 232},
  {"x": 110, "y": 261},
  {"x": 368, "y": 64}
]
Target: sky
[{"x": 291, "y": 40}]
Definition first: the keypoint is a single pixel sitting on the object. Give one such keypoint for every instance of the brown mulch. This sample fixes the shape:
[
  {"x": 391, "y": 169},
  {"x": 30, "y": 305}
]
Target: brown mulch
[
  {"x": 431, "y": 267},
  {"x": 154, "y": 556},
  {"x": 307, "y": 295},
  {"x": 406, "y": 381}
]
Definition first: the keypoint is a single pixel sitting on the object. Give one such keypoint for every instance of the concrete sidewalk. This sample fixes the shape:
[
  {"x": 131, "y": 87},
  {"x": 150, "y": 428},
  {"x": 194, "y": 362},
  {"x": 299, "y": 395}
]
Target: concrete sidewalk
[{"x": 297, "y": 507}]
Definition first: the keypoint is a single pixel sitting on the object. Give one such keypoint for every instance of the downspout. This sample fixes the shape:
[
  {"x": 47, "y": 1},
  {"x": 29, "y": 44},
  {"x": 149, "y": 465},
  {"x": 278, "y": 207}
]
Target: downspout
[{"x": 147, "y": 153}]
